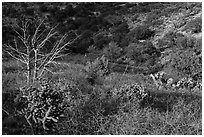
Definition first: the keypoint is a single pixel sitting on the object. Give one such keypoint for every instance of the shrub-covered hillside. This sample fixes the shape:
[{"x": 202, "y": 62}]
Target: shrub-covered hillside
[{"x": 96, "y": 68}]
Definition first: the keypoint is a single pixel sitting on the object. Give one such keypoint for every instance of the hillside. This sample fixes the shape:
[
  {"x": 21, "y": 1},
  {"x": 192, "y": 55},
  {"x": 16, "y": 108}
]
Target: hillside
[{"x": 96, "y": 68}]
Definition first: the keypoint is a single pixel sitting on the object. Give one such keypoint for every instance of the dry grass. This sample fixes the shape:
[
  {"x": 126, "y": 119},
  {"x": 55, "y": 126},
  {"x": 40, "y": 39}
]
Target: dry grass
[{"x": 93, "y": 111}]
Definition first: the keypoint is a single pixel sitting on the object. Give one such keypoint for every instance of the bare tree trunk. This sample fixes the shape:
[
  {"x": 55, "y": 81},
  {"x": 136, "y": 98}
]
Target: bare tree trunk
[
  {"x": 33, "y": 45},
  {"x": 35, "y": 65},
  {"x": 29, "y": 67}
]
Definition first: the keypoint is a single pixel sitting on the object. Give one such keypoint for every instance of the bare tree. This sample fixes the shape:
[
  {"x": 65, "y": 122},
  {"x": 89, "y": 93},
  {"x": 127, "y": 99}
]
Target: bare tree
[{"x": 29, "y": 48}]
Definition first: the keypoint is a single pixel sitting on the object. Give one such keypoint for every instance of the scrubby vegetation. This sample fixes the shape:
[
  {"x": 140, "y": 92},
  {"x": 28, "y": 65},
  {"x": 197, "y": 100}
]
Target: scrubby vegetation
[{"x": 129, "y": 69}]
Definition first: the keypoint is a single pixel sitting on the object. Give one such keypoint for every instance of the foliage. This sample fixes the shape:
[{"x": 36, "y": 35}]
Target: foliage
[
  {"x": 141, "y": 8},
  {"x": 80, "y": 17},
  {"x": 131, "y": 92},
  {"x": 198, "y": 46},
  {"x": 141, "y": 32},
  {"x": 113, "y": 19},
  {"x": 133, "y": 51},
  {"x": 186, "y": 62},
  {"x": 97, "y": 69},
  {"x": 112, "y": 52},
  {"x": 93, "y": 99},
  {"x": 36, "y": 46},
  {"x": 83, "y": 42},
  {"x": 12, "y": 66},
  {"x": 43, "y": 107},
  {"x": 153, "y": 16},
  {"x": 185, "y": 42},
  {"x": 149, "y": 121},
  {"x": 102, "y": 112},
  {"x": 119, "y": 32},
  {"x": 101, "y": 39},
  {"x": 194, "y": 25},
  {"x": 142, "y": 53}
]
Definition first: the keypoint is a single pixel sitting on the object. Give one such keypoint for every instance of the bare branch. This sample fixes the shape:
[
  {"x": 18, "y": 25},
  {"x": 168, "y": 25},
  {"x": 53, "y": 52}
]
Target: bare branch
[
  {"x": 55, "y": 52},
  {"x": 49, "y": 35},
  {"x": 27, "y": 38},
  {"x": 19, "y": 35},
  {"x": 17, "y": 26},
  {"x": 34, "y": 39},
  {"x": 16, "y": 50},
  {"x": 49, "y": 70},
  {"x": 61, "y": 55},
  {"x": 40, "y": 35},
  {"x": 23, "y": 61},
  {"x": 56, "y": 46}
]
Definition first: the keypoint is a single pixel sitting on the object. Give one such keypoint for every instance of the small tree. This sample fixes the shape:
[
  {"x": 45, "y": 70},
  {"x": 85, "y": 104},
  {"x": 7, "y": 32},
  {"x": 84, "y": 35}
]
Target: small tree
[
  {"x": 34, "y": 46},
  {"x": 112, "y": 52}
]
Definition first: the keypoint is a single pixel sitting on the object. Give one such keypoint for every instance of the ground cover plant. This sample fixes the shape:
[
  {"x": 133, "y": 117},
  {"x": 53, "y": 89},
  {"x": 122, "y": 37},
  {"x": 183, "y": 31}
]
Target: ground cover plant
[{"x": 104, "y": 69}]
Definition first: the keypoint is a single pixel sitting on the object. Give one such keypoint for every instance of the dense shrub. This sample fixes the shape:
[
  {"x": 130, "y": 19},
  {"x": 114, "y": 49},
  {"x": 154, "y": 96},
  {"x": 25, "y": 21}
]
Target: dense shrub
[
  {"x": 142, "y": 53},
  {"x": 187, "y": 62},
  {"x": 43, "y": 107},
  {"x": 101, "y": 39},
  {"x": 141, "y": 8},
  {"x": 97, "y": 69},
  {"x": 187, "y": 59},
  {"x": 133, "y": 51},
  {"x": 82, "y": 44},
  {"x": 152, "y": 18},
  {"x": 121, "y": 28},
  {"x": 179, "y": 121},
  {"x": 112, "y": 52},
  {"x": 198, "y": 46},
  {"x": 119, "y": 32},
  {"x": 130, "y": 92},
  {"x": 194, "y": 25},
  {"x": 185, "y": 42},
  {"x": 83, "y": 98},
  {"x": 141, "y": 33}
]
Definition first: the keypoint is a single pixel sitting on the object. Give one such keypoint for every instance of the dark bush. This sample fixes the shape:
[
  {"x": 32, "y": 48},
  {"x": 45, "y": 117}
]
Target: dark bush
[
  {"x": 142, "y": 53},
  {"x": 101, "y": 39},
  {"x": 140, "y": 33},
  {"x": 152, "y": 17},
  {"x": 112, "y": 52},
  {"x": 83, "y": 43},
  {"x": 97, "y": 69},
  {"x": 133, "y": 51},
  {"x": 141, "y": 8},
  {"x": 186, "y": 62},
  {"x": 194, "y": 25},
  {"x": 121, "y": 28},
  {"x": 185, "y": 42}
]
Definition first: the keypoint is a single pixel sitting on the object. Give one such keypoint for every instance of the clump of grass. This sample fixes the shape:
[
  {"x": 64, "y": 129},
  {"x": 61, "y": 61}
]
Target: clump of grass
[
  {"x": 183, "y": 119},
  {"x": 13, "y": 81},
  {"x": 12, "y": 66},
  {"x": 97, "y": 69}
]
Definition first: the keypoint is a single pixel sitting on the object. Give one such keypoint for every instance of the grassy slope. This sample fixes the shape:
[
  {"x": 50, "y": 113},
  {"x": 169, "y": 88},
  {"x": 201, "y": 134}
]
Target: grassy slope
[{"x": 167, "y": 112}]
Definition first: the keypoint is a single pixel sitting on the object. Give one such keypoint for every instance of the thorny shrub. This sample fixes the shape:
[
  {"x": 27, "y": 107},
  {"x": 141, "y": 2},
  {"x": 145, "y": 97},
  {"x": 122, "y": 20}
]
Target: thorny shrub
[
  {"x": 97, "y": 69},
  {"x": 130, "y": 92},
  {"x": 43, "y": 107}
]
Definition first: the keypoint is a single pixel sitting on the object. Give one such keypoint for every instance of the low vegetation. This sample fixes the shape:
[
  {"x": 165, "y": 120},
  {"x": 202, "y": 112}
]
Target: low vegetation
[{"x": 134, "y": 69}]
